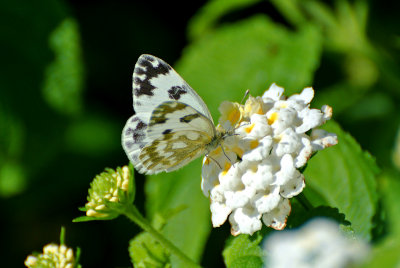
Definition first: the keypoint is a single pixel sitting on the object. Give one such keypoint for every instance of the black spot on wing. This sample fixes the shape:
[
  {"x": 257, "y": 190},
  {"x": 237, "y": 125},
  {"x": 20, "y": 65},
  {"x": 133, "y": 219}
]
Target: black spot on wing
[
  {"x": 159, "y": 115},
  {"x": 188, "y": 118},
  {"x": 175, "y": 92},
  {"x": 138, "y": 131},
  {"x": 144, "y": 69},
  {"x": 141, "y": 125},
  {"x": 167, "y": 131}
]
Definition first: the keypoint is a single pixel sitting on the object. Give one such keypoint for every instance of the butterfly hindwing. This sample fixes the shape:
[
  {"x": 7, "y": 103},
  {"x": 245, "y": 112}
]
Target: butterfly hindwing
[
  {"x": 172, "y": 151},
  {"x": 178, "y": 134},
  {"x": 173, "y": 116},
  {"x": 134, "y": 138}
]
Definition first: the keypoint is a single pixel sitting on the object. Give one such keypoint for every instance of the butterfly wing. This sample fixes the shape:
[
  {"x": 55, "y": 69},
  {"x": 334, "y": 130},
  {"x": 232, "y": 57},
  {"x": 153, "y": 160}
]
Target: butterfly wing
[
  {"x": 155, "y": 82},
  {"x": 171, "y": 151},
  {"x": 178, "y": 134}
]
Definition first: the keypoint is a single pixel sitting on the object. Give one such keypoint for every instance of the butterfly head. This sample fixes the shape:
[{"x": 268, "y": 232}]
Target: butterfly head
[{"x": 220, "y": 136}]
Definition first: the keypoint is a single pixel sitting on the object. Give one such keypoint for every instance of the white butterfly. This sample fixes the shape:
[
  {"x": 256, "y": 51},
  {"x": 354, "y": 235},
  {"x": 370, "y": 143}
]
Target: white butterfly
[{"x": 172, "y": 125}]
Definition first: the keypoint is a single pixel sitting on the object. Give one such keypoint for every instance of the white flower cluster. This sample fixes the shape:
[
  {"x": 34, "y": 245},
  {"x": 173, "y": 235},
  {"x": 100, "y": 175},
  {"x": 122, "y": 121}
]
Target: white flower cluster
[
  {"x": 320, "y": 243},
  {"x": 252, "y": 179},
  {"x": 58, "y": 256}
]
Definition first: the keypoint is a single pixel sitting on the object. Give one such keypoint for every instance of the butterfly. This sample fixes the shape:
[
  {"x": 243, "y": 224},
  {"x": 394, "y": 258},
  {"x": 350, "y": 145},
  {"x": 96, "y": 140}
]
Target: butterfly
[{"x": 172, "y": 125}]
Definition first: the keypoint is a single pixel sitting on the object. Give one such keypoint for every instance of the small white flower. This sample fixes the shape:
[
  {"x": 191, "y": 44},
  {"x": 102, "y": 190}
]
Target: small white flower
[
  {"x": 219, "y": 213},
  {"x": 277, "y": 217},
  {"x": 245, "y": 220},
  {"x": 319, "y": 243},
  {"x": 268, "y": 200},
  {"x": 53, "y": 255},
  {"x": 253, "y": 177}
]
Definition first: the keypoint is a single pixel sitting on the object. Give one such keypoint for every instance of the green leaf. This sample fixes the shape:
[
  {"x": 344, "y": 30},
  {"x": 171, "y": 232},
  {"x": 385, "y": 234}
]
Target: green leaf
[
  {"x": 386, "y": 253},
  {"x": 63, "y": 83},
  {"x": 389, "y": 184},
  {"x": 250, "y": 54},
  {"x": 13, "y": 176},
  {"x": 87, "y": 218},
  {"x": 344, "y": 177},
  {"x": 189, "y": 228},
  {"x": 243, "y": 251},
  {"x": 145, "y": 251},
  {"x": 299, "y": 215},
  {"x": 93, "y": 135},
  {"x": 207, "y": 17}
]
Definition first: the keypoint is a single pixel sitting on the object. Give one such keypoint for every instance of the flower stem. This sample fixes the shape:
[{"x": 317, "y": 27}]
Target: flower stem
[
  {"x": 133, "y": 214},
  {"x": 302, "y": 199}
]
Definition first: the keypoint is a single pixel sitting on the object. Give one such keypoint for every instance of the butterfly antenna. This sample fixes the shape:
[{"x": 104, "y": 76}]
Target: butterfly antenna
[
  {"x": 214, "y": 161},
  {"x": 245, "y": 95},
  {"x": 226, "y": 155}
]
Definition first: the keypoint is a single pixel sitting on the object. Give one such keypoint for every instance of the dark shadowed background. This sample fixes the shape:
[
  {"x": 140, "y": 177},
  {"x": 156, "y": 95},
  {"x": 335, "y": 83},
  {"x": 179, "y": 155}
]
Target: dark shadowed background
[{"x": 57, "y": 133}]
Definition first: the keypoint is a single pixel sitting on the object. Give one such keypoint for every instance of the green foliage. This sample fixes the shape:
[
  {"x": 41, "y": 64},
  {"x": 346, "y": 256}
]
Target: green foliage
[
  {"x": 79, "y": 136},
  {"x": 63, "y": 82},
  {"x": 147, "y": 252},
  {"x": 386, "y": 252},
  {"x": 300, "y": 215},
  {"x": 222, "y": 64},
  {"x": 189, "y": 228},
  {"x": 244, "y": 251},
  {"x": 342, "y": 176},
  {"x": 206, "y": 19}
]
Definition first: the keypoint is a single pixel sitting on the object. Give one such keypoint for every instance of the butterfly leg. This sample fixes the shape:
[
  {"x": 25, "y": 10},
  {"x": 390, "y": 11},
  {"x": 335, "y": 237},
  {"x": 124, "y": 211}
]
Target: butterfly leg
[
  {"x": 208, "y": 156},
  {"x": 226, "y": 155}
]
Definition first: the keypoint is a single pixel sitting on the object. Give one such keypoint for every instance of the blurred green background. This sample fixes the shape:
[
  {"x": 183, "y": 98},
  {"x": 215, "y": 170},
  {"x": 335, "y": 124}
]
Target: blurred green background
[{"x": 65, "y": 95}]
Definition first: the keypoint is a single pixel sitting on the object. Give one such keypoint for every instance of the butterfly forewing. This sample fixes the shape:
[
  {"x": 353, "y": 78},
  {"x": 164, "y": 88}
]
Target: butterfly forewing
[{"x": 155, "y": 82}]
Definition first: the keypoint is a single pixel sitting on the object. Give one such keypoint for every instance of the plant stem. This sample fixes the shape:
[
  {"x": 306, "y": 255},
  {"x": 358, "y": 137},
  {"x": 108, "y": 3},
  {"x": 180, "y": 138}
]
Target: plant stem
[
  {"x": 302, "y": 199},
  {"x": 133, "y": 214}
]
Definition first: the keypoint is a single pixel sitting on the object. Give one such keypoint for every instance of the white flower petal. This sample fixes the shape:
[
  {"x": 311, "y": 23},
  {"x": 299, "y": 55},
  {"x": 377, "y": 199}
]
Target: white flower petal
[
  {"x": 287, "y": 172},
  {"x": 305, "y": 152},
  {"x": 261, "y": 151},
  {"x": 311, "y": 118},
  {"x": 245, "y": 221},
  {"x": 274, "y": 93},
  {"x": 306, "y": 95},
  {"x": 293, "y": 187},
  {"x": 276, "y": 218},
  {"x": 321, "y": 139},
  {"x": 327, "y": 110},
  {"x": 238, "y": 199},
  {"x": 219, "y": 213},
  {"x": 260, "y": 179},
  {"x": 267, "y": 201},
  {"x": 289, "y": 143}
]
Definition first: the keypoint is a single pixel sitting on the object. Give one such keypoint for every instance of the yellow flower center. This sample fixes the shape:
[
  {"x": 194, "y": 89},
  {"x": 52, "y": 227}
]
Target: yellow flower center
[
  {"x": 234, "y": 116},
  {"x": 226, "y": 168},
  {"x": 238, "y": 151},
  {"x": 272, "y": 118},
  {"x": 249, "y": 128},
  {"x": 254, "y": 144}
]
